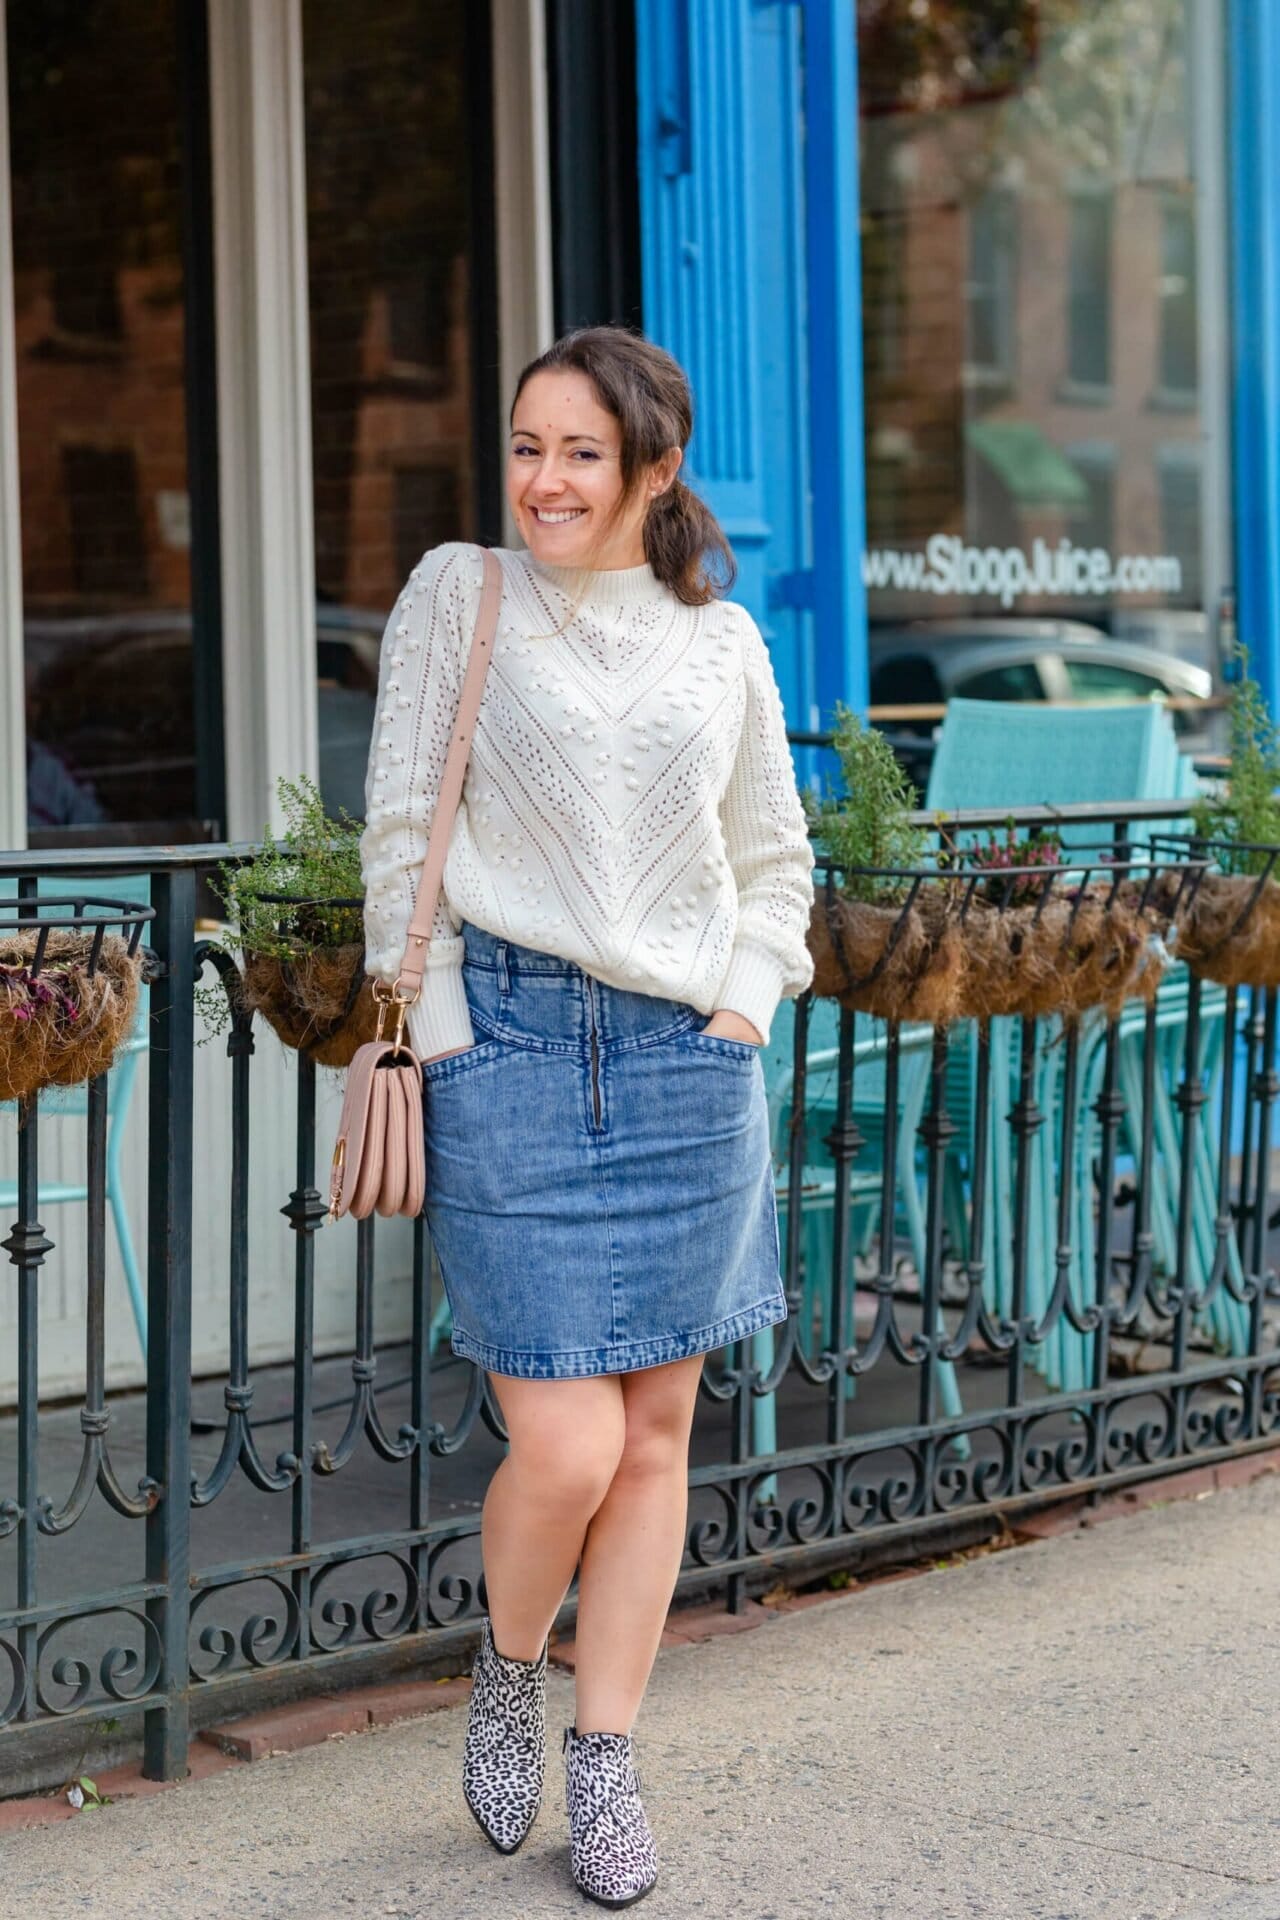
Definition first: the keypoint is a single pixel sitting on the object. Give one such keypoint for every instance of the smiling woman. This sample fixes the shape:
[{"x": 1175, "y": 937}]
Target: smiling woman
[{"x": 626, "y": 892}]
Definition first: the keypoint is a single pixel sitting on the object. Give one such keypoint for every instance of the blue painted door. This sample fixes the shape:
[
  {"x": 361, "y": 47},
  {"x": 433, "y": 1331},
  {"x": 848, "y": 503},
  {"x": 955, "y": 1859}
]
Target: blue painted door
[{"x": 748, "y": 176}]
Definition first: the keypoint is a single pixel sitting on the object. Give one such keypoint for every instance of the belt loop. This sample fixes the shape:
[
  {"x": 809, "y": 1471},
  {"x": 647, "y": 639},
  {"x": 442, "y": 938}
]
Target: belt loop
[{"x": 504, "y": 973}]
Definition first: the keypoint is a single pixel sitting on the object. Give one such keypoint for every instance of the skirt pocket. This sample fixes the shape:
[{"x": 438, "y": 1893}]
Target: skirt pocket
[
  {"x": 698, "y": 1040},
  {"x": 454, "y": 1064}
]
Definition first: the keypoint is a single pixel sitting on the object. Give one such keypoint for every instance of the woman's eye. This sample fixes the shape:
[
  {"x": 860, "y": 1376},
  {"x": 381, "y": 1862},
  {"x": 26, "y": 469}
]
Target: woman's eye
[{"x": 578, "y": 453}]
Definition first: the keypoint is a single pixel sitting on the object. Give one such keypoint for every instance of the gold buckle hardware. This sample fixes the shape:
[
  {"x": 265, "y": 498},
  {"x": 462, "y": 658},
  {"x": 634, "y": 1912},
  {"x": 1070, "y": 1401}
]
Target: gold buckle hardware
[
  {"x": 335, "y": 1176},
  {"x": 393, "y": 996}
]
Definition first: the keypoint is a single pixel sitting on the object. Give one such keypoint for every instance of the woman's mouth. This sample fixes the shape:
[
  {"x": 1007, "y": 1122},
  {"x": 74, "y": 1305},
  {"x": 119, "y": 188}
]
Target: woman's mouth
[{"x": 560, "y": 518}]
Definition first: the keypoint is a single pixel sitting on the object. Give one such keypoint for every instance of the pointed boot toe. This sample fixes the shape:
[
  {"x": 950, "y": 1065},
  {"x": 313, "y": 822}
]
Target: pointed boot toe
[
  {"x": 504, "y": 1758},
  {"x": 615, "y": 1862}
]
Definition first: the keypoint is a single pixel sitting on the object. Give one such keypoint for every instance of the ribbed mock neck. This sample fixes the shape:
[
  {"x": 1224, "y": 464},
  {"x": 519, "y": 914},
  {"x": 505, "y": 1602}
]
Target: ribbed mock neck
[{"x": 603, "y": 587}]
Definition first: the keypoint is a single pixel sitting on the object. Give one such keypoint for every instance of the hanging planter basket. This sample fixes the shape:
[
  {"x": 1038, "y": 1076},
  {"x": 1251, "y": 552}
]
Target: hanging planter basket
[
  {"x": 1027, "y": 943},
  {"x": 319, "y": 1001},
  {"x": 1097, "y": 933},
  {"x": 1232, "y": 932},
  {"x": 69, "y": 976},
  {"x": 896, "y": 959}
]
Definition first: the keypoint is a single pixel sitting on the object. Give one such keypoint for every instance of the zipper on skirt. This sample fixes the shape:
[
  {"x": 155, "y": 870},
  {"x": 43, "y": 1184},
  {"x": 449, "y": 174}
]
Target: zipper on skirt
[{"x": 595, "y": 1061}]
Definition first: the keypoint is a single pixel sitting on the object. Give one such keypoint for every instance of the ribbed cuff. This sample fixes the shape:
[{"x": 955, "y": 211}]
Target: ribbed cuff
[
  {"x": 752, "y": 986},
  {"x": 440, "y": 1019}
]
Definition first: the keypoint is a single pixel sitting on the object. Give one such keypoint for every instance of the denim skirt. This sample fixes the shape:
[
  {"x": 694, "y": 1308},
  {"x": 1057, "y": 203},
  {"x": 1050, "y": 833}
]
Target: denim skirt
[{"x": 599, "y": 1181}]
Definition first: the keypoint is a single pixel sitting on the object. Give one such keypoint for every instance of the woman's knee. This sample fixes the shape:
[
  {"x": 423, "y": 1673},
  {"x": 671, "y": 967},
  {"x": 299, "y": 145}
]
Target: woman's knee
[
  {"x": 659, "y": 1414},
  {"x": 565, "y": 1437}
]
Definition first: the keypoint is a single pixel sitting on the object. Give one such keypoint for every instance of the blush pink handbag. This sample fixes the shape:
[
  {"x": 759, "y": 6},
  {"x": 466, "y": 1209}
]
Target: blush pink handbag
[{"x": 379, "y": 1159}]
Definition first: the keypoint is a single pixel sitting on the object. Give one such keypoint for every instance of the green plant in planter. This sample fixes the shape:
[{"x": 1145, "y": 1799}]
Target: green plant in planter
[
  {"x": 867, "y": 825},
  {"x": 1247, "y": 812},
  {"x": 880, "y": 944},
  {"x": 293, "y": 899}
]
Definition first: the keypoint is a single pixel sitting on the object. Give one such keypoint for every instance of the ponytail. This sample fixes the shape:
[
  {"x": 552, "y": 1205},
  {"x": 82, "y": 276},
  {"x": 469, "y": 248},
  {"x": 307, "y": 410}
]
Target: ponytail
[{"x": 685, "y": 545}]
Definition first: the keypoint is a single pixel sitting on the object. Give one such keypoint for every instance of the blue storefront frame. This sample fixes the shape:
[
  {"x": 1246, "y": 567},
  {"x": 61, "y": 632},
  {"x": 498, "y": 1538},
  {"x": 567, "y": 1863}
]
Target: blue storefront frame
[
  {"x": 835, "y": 353},
  {"x": 1253, "y": 134},
  {"x": 747, "y": 135}
]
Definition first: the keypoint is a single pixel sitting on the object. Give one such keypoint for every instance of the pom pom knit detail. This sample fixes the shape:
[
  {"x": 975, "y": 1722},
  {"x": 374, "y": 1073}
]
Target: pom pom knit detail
[{"x": 630, "y": 802}]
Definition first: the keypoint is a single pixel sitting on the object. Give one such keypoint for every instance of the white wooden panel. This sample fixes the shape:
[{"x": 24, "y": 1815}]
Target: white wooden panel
[
  {"x": 522, "y": 174},
  {"x": 264, "y": 405}
]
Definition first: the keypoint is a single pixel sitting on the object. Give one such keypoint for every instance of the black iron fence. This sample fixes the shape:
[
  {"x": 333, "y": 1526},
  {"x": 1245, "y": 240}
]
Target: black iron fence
[{"x": 1020, "y": 1259}]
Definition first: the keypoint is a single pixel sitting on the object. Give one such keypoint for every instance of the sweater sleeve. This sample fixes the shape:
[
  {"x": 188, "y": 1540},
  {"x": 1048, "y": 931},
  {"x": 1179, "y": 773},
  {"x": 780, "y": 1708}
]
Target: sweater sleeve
[
  {"x": 769, "y": 853},
  {"x": 419, "y": 685}
]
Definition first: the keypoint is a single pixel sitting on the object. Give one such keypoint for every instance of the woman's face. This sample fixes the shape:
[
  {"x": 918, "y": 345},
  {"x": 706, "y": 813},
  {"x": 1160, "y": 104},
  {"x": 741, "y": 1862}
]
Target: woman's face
[{"x": 564, "y": 477}]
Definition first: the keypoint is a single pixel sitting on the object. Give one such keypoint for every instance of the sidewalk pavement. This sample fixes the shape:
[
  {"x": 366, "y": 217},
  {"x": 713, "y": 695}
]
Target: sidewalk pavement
[{"x": 1082, "y": 1728}]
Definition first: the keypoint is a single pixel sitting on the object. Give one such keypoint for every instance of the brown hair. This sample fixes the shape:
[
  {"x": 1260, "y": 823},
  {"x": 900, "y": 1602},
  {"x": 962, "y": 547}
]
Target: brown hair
[{"x": 647, "y": 392}]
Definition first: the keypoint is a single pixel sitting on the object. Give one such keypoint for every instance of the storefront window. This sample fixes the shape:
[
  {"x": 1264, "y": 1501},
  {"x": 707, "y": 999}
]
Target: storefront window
[
  {"x": 102, "y": 444},
  {"x": 1033, "y": 197},
  {"x": 397, "y": 126}
]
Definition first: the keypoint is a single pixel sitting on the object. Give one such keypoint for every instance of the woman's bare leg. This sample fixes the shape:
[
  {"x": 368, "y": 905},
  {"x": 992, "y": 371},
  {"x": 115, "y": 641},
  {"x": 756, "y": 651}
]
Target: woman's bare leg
[
  {"x": 633, "y": 1548},
  {"x": 566, "y": 1439}
]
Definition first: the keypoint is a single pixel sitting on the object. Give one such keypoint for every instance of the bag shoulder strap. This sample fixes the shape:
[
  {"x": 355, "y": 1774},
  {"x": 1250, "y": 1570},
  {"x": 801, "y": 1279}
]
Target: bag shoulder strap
[{"x": 418, "y": 939}]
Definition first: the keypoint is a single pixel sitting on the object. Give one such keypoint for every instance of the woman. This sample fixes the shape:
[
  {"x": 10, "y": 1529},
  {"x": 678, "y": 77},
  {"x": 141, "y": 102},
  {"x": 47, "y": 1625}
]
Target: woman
[{"x": 624, "y": 904}]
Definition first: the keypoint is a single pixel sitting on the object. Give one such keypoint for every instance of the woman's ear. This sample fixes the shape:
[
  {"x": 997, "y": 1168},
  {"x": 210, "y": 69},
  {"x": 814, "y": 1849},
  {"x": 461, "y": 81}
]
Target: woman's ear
[{"x": 665, "y": 471}]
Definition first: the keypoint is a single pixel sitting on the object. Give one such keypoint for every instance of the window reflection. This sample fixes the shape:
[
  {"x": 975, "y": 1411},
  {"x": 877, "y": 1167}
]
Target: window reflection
[
  {"x": 391, "y": 117},
  {"x": 1089, "y": 289},
  {"x": 102, "y": 445},
  {"x": 1033, "y": 319},
  {"x": 1178, "y": 344}
]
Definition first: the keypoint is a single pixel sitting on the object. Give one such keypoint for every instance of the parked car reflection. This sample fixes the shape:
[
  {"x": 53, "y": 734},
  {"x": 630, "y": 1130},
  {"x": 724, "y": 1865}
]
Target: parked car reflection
[
  {"x": 925, "y": 663},
  {"x": 110, "y": 711}
]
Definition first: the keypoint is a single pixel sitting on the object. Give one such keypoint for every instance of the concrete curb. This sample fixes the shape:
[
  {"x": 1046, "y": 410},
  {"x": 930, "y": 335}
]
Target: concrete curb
[{"x": 306, "y": 1723}]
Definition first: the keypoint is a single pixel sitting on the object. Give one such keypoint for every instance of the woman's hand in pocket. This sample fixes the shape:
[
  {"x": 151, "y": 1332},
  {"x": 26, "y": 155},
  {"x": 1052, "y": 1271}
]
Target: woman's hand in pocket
[{"x": 724, "y": 1024}]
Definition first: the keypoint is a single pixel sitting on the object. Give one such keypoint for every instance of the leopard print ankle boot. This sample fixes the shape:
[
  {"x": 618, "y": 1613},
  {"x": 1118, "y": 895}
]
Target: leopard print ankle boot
[
  {"x": 614, "y": 1858},
  {"x": 506, "y": 1745}
]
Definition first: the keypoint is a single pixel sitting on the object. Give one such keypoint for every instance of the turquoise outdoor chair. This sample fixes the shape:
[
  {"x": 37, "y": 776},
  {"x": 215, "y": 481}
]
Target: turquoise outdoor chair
[
  {"x": 1226, "y": 1320},
  {"x": 1067, "y": 1356},
  {"x": 818, "y": 1185},
  {"x": 995, "y": 754},
  {"x": 62, "y": 1103}
]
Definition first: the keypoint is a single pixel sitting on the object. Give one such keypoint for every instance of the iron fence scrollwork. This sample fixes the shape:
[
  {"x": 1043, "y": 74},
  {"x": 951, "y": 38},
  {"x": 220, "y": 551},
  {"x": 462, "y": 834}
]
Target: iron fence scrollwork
[{"x": 1022, "y": 1256}]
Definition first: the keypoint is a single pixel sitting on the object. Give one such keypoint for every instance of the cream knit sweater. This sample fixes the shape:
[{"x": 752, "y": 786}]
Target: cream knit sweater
[{"x": 630, "y": 802}]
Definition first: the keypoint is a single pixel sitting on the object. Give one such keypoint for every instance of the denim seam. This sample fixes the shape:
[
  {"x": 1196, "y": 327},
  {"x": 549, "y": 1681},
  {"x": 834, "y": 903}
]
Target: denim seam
[
  {"x": 454, "y": 1065},
  {"x": 561, "y": 1049},
  {"x": 633, "y": 1356},
  {"x": 661, "y": 1036},
  {"x": 721, "y": 1047}
]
